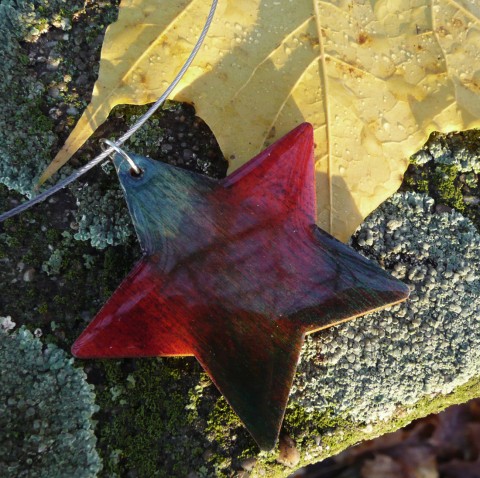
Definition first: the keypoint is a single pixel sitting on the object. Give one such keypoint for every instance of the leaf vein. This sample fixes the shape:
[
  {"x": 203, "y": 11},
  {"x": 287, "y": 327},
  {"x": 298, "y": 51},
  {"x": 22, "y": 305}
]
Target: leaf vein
[
  {"x": 326, "y": 104},
  {"x": 268, "y": 57}
]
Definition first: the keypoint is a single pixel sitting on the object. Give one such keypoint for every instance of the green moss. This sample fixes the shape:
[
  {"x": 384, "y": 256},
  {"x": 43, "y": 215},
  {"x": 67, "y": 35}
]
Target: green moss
[
  {"x": 418, "y": 182},
  {"x": 222, "y": 418},
  {"x": 447, "y": 169},
  {"x": 306, "y": 428},
  {"x": 43, "y": 309},
  {"x": 444, "y": 188},
  {"x": 440, "y": 182},
  {"x": 148, "y": 429},
  {"x": 230, "y": 441}
]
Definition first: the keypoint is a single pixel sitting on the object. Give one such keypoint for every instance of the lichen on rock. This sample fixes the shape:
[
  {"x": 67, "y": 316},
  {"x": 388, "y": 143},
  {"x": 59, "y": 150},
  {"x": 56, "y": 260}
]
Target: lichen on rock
[
  {"x": 429, "y": 345},
  {"x": 47, "y": 50},
  {"x": 173, "y": 135},
  {"x": 460, "y": 149},
  {"x": 102, "y": 216},
  {"x": 447, "y": 169},
  {"x": 45, "y": 411},
  {"x": 26, "y": 130}
]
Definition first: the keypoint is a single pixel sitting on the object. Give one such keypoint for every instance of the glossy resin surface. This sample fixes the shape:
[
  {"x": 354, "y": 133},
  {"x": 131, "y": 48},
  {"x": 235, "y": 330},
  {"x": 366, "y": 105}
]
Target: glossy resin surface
[{"x": 235, "y": 272}]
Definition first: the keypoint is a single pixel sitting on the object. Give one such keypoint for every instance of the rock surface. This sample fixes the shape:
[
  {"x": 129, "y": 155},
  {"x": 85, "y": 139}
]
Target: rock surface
[
  {"x": 426, "y": 346},
  {"x": 164, "y": 417}
]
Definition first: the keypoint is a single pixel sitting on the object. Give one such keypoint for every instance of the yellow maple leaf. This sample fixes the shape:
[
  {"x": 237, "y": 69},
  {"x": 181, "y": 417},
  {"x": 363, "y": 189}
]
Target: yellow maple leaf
[{"x": 374, "y": 77}]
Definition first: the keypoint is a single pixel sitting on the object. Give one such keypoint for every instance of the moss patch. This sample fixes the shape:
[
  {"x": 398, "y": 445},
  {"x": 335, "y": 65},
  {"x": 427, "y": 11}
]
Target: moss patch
[
  {"x": 145, "y": 424},
  {"x": 69, "y": 280},
  {"x": 441, "y": 182},
  {"x": 447, "y": 169}
]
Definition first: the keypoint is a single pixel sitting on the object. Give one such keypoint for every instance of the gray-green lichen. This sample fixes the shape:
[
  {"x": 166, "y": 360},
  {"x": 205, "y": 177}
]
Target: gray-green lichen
[
  {"x": 102, "y": 216},
  {"x": 46, "y": 407},
  {"x": 26, "y": 136},
  {"x": 35, "y": 91},
  {"x": 426, "y": 346},
  {"x": 461, "y": 150}
]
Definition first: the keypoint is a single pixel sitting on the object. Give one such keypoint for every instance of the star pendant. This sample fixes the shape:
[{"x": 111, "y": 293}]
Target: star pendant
[{"x": 235, "y": 272}]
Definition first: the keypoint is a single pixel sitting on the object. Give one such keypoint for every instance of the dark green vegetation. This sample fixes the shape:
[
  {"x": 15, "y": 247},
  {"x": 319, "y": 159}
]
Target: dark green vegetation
[
  {"x": 147, "y": 426},
  {"x": 50, "y": 278},
  {"x": 57, "y": 283}
]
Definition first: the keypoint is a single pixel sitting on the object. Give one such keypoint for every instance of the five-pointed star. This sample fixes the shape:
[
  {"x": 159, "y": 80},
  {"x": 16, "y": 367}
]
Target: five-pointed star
[{"x": 235, "y": 272}]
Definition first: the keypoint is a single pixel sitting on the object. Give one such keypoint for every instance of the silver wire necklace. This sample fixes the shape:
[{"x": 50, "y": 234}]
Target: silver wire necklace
[{"x": 115, "y": 146}]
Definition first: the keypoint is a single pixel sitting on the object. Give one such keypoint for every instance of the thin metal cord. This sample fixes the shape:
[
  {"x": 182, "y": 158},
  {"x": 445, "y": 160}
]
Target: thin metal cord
[{"x": 98, "y": 159}]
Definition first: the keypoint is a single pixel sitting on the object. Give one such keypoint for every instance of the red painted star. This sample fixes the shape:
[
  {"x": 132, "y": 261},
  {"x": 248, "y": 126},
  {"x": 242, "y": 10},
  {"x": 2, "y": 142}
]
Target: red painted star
[{"x": 235, "y": 272}]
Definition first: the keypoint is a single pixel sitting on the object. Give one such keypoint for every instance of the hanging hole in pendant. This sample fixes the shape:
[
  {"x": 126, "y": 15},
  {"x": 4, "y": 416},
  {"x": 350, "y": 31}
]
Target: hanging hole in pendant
[{"x": 136, "y": 174}]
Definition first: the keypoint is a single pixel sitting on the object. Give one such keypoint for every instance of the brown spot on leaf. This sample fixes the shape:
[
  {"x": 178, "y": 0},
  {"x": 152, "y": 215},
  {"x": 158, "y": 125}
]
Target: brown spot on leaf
[
  {"x": 472, "y": 85},
  {"x": 363, "y": 38},
  {"x": 306, "y": 38},
  {"x": 457, "y": 23},
  {"x": 271, "y": 133},
  {"x": 442, "y": 31},
  {"x": 349, "y": 70}
]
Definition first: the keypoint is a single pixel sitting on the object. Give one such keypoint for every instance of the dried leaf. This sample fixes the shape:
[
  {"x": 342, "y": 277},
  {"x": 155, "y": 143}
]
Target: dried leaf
[
  {"x": 288, "y": 453},
  {"x": 450, "y": 434},
  {"x": 473, "y": 434},
  {"x": 417, "y": 462},
  {"x": 382, "y": 466},
  {"x": 373, "y": 77},
  {"x": 460, "y": 469}
]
